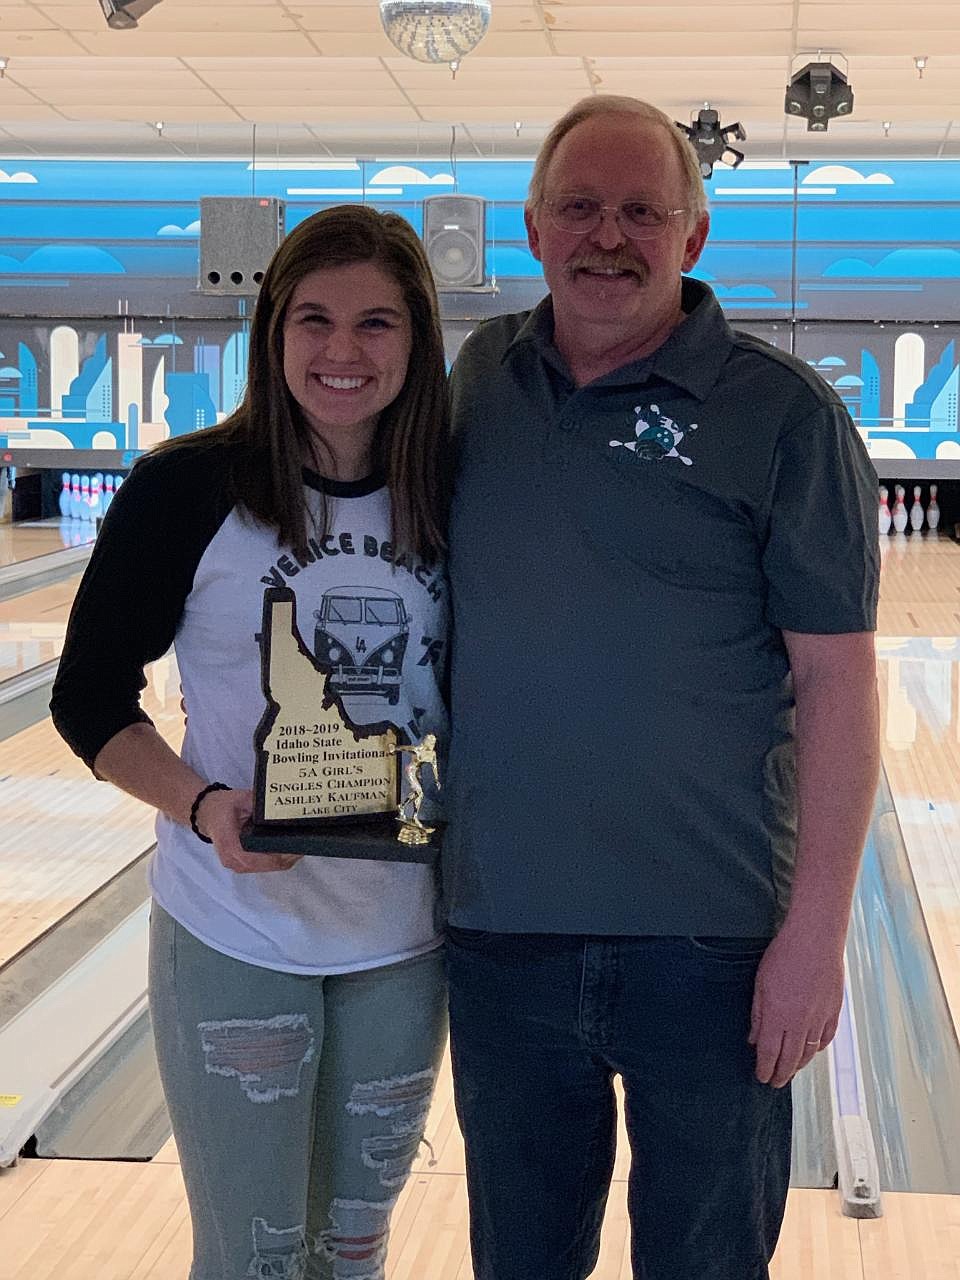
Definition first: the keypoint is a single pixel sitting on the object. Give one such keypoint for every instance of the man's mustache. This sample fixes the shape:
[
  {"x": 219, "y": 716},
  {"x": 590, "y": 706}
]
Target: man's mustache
[{"x": 609, "y": 262}]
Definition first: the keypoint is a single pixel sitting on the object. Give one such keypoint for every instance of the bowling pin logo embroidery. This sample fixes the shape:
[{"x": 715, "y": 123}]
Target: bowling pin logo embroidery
[{"x": 655, "y": 440}]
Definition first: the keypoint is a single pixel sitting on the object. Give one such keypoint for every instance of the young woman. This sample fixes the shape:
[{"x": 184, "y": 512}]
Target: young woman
[{"x": 297, "y": 1002}]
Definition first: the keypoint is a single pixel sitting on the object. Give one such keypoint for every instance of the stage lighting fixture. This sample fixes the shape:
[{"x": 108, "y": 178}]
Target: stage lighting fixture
[
  {"x": 121, "y": 15},
  {"x": 818, "y": 93},
  {"x": 711, "y": 140}
]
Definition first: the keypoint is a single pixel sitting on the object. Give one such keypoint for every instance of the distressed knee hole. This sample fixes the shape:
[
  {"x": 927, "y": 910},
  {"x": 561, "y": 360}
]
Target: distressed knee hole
[
  {"x": 266, "y": 1055},
  {"x": 403, "y": 1098},
  {"x": 391, "y": 1155},
  {"x": 279, "y": 1253},
  {"x": 356, "y": 1241},
  {"x": 405, "y": 1102}
]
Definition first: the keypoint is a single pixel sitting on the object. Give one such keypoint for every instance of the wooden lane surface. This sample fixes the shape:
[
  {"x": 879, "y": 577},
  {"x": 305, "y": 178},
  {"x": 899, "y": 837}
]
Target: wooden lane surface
[
  {"x": 919, "y": 586},
  {"x": 25, "y": 541},
  {"x": 74, "y": 1220},
  {"x": 917, "y": 1239},
  {"x": 918, "y": 644},
  {"x": 64, "y": 833},
  {"x": 32, "y": 626}
]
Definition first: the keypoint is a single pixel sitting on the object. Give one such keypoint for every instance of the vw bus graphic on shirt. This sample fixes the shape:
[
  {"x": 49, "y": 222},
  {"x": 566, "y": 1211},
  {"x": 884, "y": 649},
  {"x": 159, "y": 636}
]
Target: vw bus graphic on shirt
[{"x": 361, "y": 637}]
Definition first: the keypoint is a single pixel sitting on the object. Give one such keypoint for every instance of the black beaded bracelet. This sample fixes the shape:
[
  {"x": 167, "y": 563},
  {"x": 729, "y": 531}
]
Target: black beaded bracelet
[{"x": 194, "y": 808}]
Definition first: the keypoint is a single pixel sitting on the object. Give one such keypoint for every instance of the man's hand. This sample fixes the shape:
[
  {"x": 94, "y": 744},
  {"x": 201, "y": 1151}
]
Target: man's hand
[
  {"x": 796, "y": 1004},
  {"x": 221, "y": 815}
]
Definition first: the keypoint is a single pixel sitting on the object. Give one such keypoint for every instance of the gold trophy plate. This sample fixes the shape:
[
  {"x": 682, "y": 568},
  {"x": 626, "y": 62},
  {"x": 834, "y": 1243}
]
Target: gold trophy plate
[{"x": 323, "y": 785}]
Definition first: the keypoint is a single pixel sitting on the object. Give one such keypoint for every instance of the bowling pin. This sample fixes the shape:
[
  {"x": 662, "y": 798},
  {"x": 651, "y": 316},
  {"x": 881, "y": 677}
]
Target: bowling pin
[
  {"x": 916, "y": 511},
  {"x": 886, "y": 519},
  {"x": 75, "y": 496},
  {"x": 84, "y": 512},
  {"x": 107, "y": 493},
  {"x": 900, "y": 516},
  {"x": 65, "y": 494},
  {"x": 933, "y": 509},
  {"x": 96, "y": 498}
]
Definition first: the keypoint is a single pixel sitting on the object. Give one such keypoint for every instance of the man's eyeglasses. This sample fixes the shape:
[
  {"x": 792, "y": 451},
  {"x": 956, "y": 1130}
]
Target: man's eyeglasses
[{"x": 638, "y": 219}]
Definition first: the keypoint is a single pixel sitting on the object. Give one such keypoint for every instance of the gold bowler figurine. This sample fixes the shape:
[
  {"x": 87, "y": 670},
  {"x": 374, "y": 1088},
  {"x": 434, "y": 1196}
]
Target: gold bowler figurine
[{"x": 412, "y": 830}]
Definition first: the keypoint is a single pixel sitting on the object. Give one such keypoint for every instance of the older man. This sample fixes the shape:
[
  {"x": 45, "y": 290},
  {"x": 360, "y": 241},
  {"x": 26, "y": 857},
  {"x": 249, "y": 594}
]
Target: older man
[{"x": 664, "y": 566}]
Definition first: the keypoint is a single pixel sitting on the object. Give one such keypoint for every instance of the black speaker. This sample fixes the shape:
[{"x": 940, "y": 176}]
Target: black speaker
[
  {"x": 238, "y": 237},
  {"x": 453, "y": 232}
]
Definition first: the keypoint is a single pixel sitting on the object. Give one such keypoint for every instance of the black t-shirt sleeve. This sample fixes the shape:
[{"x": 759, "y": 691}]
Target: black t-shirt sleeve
[{"x": 131, "y": 597}]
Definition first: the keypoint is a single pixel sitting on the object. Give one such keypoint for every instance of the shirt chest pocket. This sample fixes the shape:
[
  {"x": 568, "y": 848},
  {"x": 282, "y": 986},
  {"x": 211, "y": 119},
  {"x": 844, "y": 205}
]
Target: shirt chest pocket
[{"x": 655, "y": 507}]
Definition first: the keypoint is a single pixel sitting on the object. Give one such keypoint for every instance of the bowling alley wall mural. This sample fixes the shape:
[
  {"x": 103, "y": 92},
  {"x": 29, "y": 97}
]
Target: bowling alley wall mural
[{"x": 107, "y": 342}]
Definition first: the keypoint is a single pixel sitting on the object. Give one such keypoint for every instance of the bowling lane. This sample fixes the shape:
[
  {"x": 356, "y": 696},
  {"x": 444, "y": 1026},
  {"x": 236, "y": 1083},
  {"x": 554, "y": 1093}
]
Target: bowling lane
[
  {"x": 32, "y": 626},
  {"x": 918, "y": 646},
  {"x": 29, "y": 539},
  {"x": 65, "y": 834},
  {"x": 919, "y": 586}
]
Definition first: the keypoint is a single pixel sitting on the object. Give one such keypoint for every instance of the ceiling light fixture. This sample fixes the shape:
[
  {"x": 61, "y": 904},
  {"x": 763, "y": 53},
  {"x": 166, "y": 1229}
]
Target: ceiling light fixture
[
  {"x": 920, "y": 62},
  {"x": 3, "y": 67},
  {"x": 435, "y": 30},
  {"x": 711, "y": 140},
  {"x": 886, "y": 125},
  {"x": 122, "y": 15},
  {"x": 818, "y": 93},
  {"x": 158, "y": 125}
]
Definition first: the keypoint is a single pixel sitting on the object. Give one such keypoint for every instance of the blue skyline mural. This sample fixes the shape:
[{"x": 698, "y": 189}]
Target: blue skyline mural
[
  {"x": 876, "y": 254},
  {"x": 864, "y": 233}
]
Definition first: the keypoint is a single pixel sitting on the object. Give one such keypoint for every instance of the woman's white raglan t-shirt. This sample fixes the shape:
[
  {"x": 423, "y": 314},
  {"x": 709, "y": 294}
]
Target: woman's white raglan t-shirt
[{"x": 175, "y": 561}]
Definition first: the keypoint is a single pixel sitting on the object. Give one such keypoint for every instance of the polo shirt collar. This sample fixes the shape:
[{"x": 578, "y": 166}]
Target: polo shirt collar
[{"x": 691, "y": 358}]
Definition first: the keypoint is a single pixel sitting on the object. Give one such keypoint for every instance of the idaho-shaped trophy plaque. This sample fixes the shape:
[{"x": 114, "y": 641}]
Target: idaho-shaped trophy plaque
[{"x": 323, "y": 785}]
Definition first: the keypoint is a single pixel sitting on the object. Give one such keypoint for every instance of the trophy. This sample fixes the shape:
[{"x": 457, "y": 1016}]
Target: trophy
[
  {"x": 412, "y": 831},
  {"x": 324, "y": 785}
]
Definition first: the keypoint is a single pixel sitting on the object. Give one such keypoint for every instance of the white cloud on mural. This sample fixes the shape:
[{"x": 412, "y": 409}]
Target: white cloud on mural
[
  {"x": 303, "y": 166},
  {"x": 171, "y": 229},
  {"x": 840, "y": 175},
  {"x": 20, "y": 176},
  {"x": 409, "y": 177}
]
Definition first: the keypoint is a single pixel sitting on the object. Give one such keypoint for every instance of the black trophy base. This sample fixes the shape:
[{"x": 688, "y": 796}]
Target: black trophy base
[{"x": 372, "y": 838}]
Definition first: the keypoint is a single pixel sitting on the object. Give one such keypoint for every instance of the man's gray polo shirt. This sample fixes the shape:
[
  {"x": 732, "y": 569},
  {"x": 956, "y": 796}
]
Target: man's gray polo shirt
[{"x": 623, "y": 558}]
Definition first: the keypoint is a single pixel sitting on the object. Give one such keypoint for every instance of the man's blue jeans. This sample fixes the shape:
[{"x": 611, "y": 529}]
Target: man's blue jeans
[{"x": 540, "y": 1024}]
